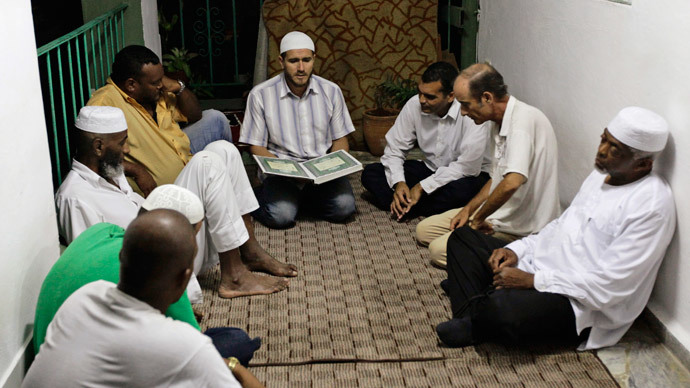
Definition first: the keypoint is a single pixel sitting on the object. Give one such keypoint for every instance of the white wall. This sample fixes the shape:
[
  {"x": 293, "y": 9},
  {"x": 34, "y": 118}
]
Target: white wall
[
  {"x": 580, "y": 61},
  {"x": 29, "y": 242},
  {"x": 149, "y": 17}
]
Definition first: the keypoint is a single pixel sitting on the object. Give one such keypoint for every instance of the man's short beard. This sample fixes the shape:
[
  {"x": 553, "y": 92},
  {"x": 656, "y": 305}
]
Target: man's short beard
[{"x": 110, "y": 171}]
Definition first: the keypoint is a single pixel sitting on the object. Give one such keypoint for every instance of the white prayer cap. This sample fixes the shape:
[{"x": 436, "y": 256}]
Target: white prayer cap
[
  {"x": 296, "y": 40},
  {"x": 639, "y": 128},
  {"x": 101, "y": 119},
  {"x": 176, "y": 198}
]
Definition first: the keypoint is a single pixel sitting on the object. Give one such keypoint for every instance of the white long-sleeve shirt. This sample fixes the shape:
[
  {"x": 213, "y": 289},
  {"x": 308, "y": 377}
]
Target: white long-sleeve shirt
[
  {"x": 453, "y": 145},
  {"x": 603, "y": 253}
]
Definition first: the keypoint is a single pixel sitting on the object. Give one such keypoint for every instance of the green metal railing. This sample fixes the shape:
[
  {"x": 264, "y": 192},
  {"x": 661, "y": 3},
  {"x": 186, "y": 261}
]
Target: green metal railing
[
  {"x": 71, "y": 67},
  {"x": 203, "y": 28}
]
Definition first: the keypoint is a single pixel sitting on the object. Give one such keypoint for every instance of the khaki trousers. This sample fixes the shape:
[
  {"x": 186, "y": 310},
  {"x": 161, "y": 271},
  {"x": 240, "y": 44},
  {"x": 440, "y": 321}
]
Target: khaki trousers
[{"x": 434, "y": 232}]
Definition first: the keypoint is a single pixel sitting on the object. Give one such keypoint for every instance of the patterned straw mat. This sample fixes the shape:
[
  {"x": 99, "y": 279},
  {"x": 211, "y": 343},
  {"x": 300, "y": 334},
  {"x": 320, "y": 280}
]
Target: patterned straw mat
[{"x": 362, "y": 312}]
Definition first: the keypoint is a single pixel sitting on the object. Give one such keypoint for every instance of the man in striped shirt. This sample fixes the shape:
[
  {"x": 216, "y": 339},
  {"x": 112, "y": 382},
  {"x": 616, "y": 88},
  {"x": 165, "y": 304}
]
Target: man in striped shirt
[{"x": 300, "y": 116}]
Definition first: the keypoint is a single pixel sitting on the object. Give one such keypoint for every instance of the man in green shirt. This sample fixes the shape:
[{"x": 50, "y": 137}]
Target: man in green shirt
[{"x": 94, "y": 255}]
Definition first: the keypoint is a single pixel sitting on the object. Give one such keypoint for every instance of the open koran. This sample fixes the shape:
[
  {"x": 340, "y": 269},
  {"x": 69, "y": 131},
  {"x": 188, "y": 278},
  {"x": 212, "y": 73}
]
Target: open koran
[{"x": 318, "y": 170}]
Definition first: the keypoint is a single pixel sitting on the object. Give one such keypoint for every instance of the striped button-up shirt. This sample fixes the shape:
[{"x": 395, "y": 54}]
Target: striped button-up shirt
[{"x": 292, "y": 127}]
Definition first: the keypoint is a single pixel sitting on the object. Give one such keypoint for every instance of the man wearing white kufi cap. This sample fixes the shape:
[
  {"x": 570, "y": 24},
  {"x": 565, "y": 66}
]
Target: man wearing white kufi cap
[
  {"x": 94, "y": 255},
  {"x": 176, "y": 198},
  {"x": 588, "y": 274},
  {"x": 115, "y": 335},
  {"x": 153, "y": 104},
  {"x": 101, "y": 146},
  {"x": 300, "y": 116},
  {"x": 97, "y": 191}
]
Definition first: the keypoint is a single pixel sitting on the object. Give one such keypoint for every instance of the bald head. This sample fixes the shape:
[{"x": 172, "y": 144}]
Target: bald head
[
  {"x": 158, "y": 247},
  {"x": 482, "y": 77}
]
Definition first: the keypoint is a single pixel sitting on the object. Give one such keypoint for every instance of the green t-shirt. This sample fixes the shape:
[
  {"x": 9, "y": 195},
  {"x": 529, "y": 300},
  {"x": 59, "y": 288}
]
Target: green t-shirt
[{"x": 94, "y": 255}]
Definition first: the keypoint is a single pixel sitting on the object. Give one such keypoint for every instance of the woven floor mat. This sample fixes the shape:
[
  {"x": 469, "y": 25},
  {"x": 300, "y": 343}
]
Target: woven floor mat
[
  {"x": 366, "y": 292},
  {"x": 461, "y": 372}
]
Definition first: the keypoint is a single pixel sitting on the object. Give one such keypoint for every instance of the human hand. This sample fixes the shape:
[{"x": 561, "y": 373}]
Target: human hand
[
  {"x": 513, "y": 278},
  {"x": 245, "y": 377},
  {"x": 460, "y": 219},
  {"x": 416, "y": 193},
  {"x": 170, "y": 85},
  {"x": 145, "y": 181},
  {"x": 483, "y": 226},
  {"x": 502, "y": 258},
  {"x": 401, "y": 199}
]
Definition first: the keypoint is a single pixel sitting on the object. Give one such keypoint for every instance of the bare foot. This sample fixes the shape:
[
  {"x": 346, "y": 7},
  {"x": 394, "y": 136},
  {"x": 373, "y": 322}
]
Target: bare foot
[
  {"x": 257, "y": 259},
  {"x": 198, "y": 315},
  {"x": 251, "y": 284}
]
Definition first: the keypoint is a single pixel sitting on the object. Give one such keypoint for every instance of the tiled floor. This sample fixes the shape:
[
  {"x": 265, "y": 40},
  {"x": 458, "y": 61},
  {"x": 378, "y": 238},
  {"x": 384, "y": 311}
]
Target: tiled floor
[{"x": 640, "y": 360}]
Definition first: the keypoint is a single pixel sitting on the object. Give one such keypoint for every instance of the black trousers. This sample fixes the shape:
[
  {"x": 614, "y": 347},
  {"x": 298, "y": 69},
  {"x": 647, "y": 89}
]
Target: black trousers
[
  {"x": 505, "y": 315},
  {"x": 452, "y": 195}
]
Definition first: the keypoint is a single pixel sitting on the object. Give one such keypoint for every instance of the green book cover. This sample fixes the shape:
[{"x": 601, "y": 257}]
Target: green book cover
[
  {"x": 331, "y": 163},
  {"x": 318, "y": 170},
  {"x": 284, "y": 167}
]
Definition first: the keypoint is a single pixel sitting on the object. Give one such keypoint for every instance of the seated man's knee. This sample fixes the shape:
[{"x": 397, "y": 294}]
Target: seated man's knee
[
  {"x": 341, "y": 207},
  {"x": 423, "y": 231},
  {"x": 372, "y": 172},
  {"x": 437, "y": 250},
  {"x": 225, "y": 150},
  {"x": 205, "y": 160},
  {"x": 279, "y": 215},
  {"x": 215, "y": 118},
  {"x": 213, "y": 114}
]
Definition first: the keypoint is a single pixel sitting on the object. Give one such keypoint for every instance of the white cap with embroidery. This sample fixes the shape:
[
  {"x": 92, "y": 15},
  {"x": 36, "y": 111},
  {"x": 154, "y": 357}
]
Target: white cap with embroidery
[{"x": 177, "y": 198}]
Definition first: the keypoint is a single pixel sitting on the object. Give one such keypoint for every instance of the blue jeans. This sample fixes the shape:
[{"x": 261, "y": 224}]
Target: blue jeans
[
  {"x": 280, "y": 199},
  {"x": 234, "y": 342},
  {"x": 212, "y": 126}
]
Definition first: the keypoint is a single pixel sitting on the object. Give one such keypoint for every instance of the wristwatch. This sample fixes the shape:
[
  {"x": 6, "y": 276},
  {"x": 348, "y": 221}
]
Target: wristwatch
[
  {"x": 182, "y": 86},
  {"x": 232, "y": 363}
]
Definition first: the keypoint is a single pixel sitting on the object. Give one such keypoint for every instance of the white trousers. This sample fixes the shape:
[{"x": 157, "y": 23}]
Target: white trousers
[{"x": 217, "y": 176}]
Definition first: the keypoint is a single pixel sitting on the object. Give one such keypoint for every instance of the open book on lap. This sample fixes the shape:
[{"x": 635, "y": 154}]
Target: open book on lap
[{"x": 317, "y": 170}]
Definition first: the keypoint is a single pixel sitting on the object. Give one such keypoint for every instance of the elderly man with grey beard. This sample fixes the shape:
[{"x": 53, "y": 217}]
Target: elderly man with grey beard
[{"x": 96, "y": 190}]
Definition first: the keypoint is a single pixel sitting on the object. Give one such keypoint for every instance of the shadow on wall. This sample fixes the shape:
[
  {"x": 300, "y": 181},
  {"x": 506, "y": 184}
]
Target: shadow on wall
[
  {"x": 668, "y": 276},
  {"x": 666, "y": 162}
]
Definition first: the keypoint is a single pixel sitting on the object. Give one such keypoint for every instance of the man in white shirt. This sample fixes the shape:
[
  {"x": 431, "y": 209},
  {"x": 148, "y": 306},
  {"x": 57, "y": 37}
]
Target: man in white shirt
[
  {"x": 117, "y": 336},
  {"x": 97, "y": 191},
  {"x": 300, "y": 116},
  {"x": 585, "y": 276},
  {"x": 456, "y": 165},
  {"x": 522, "y": 195}
]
